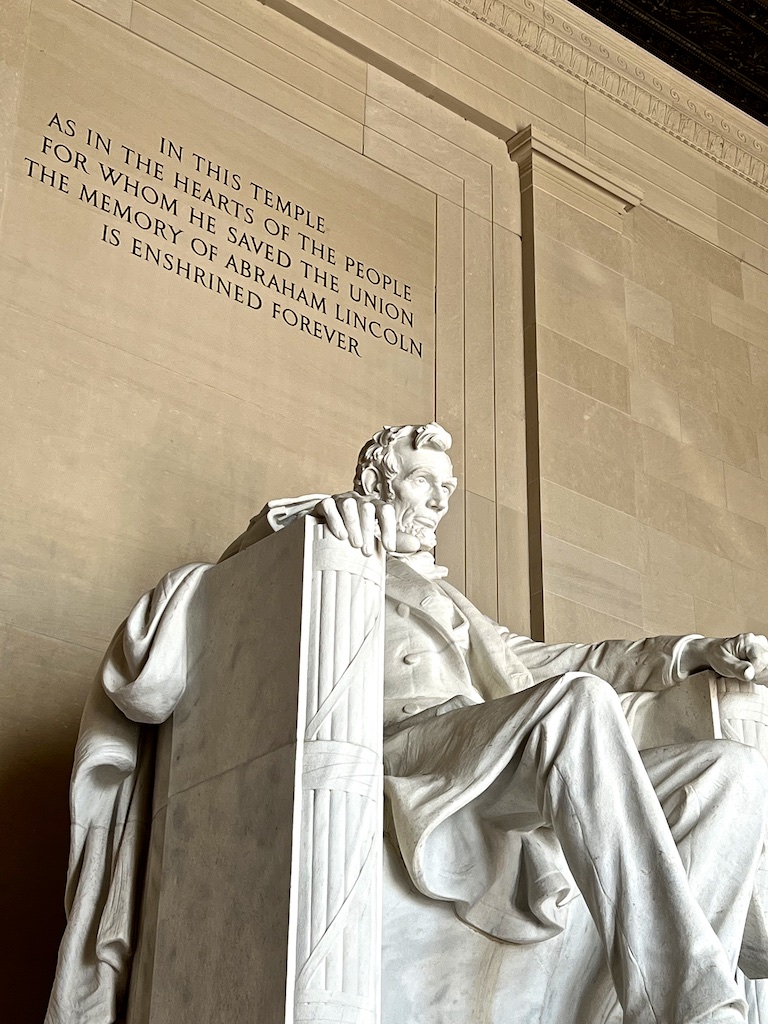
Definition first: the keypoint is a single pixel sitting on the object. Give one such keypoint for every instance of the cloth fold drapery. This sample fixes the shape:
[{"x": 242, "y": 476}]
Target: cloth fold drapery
[{"x": 140, "y": 681}]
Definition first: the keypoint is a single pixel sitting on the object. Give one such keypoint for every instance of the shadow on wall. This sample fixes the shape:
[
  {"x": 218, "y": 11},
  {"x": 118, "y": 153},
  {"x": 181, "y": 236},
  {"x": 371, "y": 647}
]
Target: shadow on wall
[{"x": 34, "y": 821}]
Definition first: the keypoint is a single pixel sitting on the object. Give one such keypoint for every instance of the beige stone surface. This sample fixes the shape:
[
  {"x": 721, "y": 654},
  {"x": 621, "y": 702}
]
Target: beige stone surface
[
  {"x": 685, "y": 467},
  {"x": 241, "y": 73},
  {"x": 578, "y": 310},
  {"x": 374, "y": 29},
  {"x": 514, "y": 598},
  {"x": 482, "y": 566},
  {"x": 746, "y": 495},
  {"x": 742, "y": 401},
  {"x": 716, "y": 620},
  {"x": 12, "y": 40},
  {"x": 755, "y": 285},
  {"x": 54, "y": 669},
  {"x": 574, "y": 228},
  {"x": 583, "y": 369},
  {"x": 742, "y": 247},
  {"x": 695, "y": 381},
  {"x": 590, "y": 524},
  {"x": 509, "y": 372},
  {"x": 475, "y": 173},
  {"x": 728, "y": 534},
  {"x": 578, "y": 273},
  {"x": 751, "y": 597},
  {"x": 498, "y": 112},
  {"x": 581, "y": 467},
  {"x": 450, "y": 323},
  {"x": 591, "y": 580},
  {"x": 661, "y": 505},
  {"x": 506, "y": 196},
  {"x": 423, "y": 110},
  {"x": 449, "y": 372},
  {"x": 674, "y": 244},
  {"x": 118, "y": 11},
  {"x": 576, "y": 416},
  {"x": 709, "y": 343},
  {"x": 679, "y": 198},
  {"x": 567, "y": 187},
  {"x": 667, "y": 610},
  {"x": 480, "y": 464},
  {"x": 648, "y": 311},
  {"x": 248, "y": 40},
  {"x": 739, "y": 317},
  {"x": 668, "y": 278},
  {"x": 575, "y": 622},
  {"x": 296, "y": 39},
  {"x": 758, "y": 364},
  {"x": 654, "y": 405},
  {"x": 697, "y": 570},
  {"x": 384, "y": 151}
]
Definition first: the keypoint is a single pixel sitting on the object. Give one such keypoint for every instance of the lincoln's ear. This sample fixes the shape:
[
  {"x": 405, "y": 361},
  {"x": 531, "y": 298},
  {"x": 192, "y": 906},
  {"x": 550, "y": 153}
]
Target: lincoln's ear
[{"x": 370, "y": 481}]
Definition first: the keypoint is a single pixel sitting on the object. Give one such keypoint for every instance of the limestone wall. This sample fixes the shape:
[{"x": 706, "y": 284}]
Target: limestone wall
[{"x": 597, "y": 342}]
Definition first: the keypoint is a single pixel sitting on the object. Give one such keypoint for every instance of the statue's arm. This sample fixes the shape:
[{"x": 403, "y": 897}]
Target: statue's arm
[{"x": 653, "y": 663}]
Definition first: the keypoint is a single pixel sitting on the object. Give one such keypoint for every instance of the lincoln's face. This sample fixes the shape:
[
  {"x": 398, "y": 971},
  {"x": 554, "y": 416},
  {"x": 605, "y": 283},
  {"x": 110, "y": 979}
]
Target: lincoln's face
[{"x": 421, "y": 492}]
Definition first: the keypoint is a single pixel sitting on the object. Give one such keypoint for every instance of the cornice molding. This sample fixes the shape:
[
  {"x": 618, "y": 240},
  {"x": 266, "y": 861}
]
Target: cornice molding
[
  {"x": 623, "y": 72},
  {"x": 616, "y": 192}
]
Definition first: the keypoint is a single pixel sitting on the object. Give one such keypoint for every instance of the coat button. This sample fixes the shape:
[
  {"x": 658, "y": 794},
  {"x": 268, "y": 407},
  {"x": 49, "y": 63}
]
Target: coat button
[
  {"x": 403, "y": 609},
  {"x": 411, "y": 659},
  {"x": 411, "y": 709}
]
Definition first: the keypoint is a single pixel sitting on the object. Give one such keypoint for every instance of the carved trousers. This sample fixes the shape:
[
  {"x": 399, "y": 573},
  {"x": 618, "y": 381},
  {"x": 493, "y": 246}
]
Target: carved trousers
[{"x": 663, "y": 845}]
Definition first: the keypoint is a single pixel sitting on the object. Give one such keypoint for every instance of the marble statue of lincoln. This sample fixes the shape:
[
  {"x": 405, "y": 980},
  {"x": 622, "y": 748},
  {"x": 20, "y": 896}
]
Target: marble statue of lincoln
[
  {"x": 511, "y": 775},
  {"x": 501, "y": 750}
]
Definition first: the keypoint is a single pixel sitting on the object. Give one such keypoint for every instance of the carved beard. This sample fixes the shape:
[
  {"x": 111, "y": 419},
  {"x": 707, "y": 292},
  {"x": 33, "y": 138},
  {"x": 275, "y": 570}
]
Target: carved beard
[{"x": 426, "y": 536}]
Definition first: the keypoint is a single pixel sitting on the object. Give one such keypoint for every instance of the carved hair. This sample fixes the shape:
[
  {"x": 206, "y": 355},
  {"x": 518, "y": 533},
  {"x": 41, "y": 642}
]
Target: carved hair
[{"x": 380, "y": 453}]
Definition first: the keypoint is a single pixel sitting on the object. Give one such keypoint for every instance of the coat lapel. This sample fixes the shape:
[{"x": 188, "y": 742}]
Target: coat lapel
[
  {"x": 499, "y": 670},
  {"x": 410, "y": 587},
  {"x": 496, "y": 670}
]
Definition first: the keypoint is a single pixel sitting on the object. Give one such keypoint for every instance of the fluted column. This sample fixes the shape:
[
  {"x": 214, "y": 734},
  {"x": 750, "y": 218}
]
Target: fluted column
[{"x": 338, "y": 927}]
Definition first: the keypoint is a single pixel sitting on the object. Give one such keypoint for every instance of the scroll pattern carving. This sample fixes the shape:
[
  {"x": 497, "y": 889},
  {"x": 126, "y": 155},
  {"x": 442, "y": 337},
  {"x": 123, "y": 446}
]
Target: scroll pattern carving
[
  {"x": 732, "y": 143},
  {"x": 339, "y": 928}
]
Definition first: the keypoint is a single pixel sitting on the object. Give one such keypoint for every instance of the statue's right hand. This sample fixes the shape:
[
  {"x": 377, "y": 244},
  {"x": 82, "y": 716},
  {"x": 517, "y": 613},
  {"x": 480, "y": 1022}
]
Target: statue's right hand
[{"x": 359, "y": 518}]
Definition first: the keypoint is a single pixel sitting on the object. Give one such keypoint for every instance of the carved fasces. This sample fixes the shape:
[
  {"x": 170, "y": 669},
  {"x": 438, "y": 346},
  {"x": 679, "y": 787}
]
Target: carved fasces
[
  {"x": 743, "y": 712},
  {"x": 338, "y": 927}
]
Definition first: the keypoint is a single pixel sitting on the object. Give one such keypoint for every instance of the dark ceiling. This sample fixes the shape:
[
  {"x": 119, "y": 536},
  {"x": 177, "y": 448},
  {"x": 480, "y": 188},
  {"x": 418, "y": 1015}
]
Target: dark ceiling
[{"x": 722, "y": 44}]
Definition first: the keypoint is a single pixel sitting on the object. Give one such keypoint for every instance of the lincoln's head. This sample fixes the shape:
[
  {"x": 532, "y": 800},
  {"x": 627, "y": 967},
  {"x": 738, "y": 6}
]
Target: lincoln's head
[{"x": 410, "y": 468}]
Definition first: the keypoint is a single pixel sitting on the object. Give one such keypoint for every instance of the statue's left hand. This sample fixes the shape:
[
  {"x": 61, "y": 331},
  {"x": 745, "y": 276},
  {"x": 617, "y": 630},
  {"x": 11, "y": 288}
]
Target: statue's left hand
[{"x": 743, "y": 657}]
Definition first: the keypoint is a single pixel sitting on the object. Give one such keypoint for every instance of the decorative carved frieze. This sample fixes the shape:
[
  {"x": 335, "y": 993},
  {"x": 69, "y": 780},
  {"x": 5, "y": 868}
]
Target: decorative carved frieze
[{"x": 617, "y": 69}]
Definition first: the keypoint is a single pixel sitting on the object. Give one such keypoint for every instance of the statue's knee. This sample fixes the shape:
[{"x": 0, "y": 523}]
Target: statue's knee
[{"x": 591, "y": 693}]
